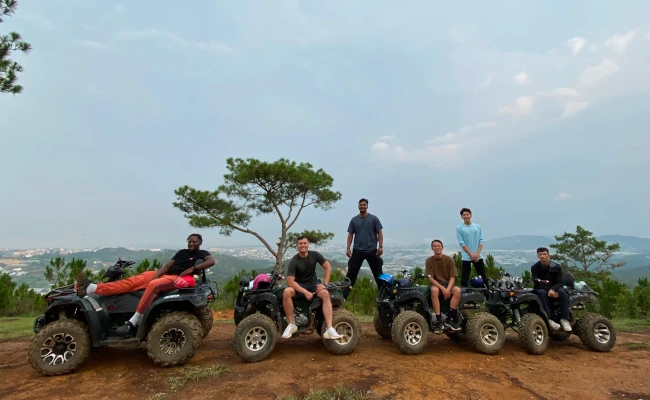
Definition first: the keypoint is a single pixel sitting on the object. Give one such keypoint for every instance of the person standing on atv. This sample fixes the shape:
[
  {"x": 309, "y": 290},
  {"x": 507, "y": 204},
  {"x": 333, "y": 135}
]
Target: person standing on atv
[
  {"x": 302, "y": 282},
  {"x": 153, "y": 282},
  {"x": 366, "y": 229},
  {"x": 551, "y": 272},
  {"x": 470, "y": 240},
  {"x": 442, "y": 274}
]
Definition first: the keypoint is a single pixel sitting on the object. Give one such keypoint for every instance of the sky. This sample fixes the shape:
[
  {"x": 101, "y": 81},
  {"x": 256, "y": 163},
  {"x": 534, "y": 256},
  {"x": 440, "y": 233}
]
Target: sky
[{"x": 532, "y": 114}]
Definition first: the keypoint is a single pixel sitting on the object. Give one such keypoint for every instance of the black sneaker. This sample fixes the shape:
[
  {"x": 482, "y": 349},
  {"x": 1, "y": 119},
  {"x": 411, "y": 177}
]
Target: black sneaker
[
  {"x": 454, "y": 324},
  {"x": 82, "y": 284},
  {"x": 125, "y": 330}
]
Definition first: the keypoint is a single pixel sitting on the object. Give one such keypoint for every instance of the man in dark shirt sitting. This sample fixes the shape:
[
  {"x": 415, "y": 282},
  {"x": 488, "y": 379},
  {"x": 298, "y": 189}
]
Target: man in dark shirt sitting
[
  {"x": 302, "y": 282},
  {"x": 551, "y": 272},
  {"x": 153, "y": 282}
]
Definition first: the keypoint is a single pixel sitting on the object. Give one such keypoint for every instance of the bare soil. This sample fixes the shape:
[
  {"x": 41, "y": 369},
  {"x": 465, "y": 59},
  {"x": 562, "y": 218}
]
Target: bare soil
[{"x": 446, "y": 370}]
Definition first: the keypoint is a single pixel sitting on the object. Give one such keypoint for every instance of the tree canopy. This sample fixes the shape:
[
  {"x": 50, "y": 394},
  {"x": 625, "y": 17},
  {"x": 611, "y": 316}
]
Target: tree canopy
[
  {"x": 583, "y": 251},
  {"x": 10, "y": 43},
  {"x": 252, "y": 188}
]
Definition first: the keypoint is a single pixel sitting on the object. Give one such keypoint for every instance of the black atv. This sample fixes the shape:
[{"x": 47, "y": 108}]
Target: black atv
[
  {"x": 173, "y": 326},
  {"x": 405, "y": 314},
  {"x": 519, "y": 308},
  {"x": 259, "y": 316}
]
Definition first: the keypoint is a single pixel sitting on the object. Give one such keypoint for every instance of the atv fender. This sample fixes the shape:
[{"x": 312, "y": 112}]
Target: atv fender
[
  {"x": 534, "y": 302},
  {"x": 411, "y": 296},
  {"x": 579, "y": 298},
  {"x": 87, "y": 306},
  {"x": 257, "y": 302},
  {"x": 194, "y": 299}
]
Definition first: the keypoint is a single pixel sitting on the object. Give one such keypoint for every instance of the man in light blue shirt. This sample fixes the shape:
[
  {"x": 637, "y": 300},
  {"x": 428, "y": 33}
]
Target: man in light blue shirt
[{"x": 470, "y": 240}]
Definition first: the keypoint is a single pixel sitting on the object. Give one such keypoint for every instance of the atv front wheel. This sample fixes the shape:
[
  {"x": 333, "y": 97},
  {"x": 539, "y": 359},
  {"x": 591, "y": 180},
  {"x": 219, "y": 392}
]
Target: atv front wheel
[
  {"x": 255, "y": 337},
  {"x": 410, "y": 332},
  {"x": 381, "y": 330},
  {"x": 174, "y": 338},
  {"x": 485, "y": 332},
  {"x": 596, "y": 332},
  {"x": 60, "y": 347},
  {"x": 533, "y": 334},
  {"x": 346, "y": 324},
  {"x": 206, "y": 318}
]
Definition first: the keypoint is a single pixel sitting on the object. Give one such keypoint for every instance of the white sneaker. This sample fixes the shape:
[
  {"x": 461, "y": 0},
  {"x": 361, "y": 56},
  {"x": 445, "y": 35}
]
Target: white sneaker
[
  {"x": 566, "y": 325},
  {"x": 291, "y": 329},
  {"x": 330, "y": 333},
  {"x": 554, "y": 325}
]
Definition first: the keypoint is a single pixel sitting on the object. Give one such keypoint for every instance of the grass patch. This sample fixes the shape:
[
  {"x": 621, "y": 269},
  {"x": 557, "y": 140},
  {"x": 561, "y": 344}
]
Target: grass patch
[
  {"x": 366, "y": 318},
  {"x": 638, "y": 346},
  {"x": 338, "y": 393},
  {"x": 157, "y": 396},
  {"x": 195, "y": 373},
  {"x": 16, "y": 327},
  {"x": 632, "y": 325}
]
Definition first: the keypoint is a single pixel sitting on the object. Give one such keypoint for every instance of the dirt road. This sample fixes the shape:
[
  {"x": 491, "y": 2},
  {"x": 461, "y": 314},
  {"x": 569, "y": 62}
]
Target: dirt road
[{"x": 445, "y": 371}]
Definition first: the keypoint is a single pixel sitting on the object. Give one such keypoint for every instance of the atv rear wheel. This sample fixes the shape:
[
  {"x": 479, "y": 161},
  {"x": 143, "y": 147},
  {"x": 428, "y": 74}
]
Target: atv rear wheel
[
  {"x": 596, "y": 332},
  {"x": 485, "y": 332},
  {"x": 255, "y": 337},
  {"x": 533, "y": 334},
  {"x": 206, "y": 318},
  {"x": 174, "y": 338},
  {"x": 60, "y": 347},
  {"x": 380, "y": 328},
  {"x": 410, "y": 332},
  {"x": 347, "y": 325}
]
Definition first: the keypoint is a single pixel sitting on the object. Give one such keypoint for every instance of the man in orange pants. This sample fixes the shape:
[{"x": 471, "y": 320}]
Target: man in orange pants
[{"x": 153, "y": 282}]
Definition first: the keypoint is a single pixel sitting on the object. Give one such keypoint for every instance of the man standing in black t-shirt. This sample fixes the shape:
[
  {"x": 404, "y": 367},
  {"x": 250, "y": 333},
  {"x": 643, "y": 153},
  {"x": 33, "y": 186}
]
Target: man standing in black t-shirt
[
  {"x": 302, "y": 282},
  {"x": 154, "y": 282}
]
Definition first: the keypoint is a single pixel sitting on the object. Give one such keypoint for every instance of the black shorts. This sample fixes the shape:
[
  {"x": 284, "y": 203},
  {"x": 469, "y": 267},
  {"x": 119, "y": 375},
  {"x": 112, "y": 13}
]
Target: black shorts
[{"x": 310, "y": 287}]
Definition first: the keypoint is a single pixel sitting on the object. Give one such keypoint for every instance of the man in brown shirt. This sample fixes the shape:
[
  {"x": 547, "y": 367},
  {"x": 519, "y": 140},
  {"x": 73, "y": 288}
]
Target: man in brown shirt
[{"x": 442, "y": 275}]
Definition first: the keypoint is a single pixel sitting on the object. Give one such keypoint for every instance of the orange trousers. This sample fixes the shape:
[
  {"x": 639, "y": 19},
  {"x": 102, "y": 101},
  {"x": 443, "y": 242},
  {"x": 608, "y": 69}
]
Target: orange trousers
[{"x": 138, "y": 282}]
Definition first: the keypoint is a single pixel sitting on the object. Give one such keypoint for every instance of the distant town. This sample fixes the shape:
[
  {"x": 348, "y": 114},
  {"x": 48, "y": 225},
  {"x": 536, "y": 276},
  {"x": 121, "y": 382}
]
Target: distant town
[{"x": 515, "y": 254}]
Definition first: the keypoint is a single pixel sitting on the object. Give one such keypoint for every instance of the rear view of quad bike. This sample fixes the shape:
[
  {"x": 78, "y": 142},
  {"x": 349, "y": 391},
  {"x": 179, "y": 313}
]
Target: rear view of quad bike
[
  {"x": 519, "y": 308},
  {"x": 172, "y": 327},
  {"x": 260, "y": 317},
  {"x": 405, "y": 315}
]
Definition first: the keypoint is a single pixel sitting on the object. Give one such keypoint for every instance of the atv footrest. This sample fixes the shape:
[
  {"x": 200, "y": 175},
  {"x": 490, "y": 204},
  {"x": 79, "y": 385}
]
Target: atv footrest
[{"x": 120, "y": 340}]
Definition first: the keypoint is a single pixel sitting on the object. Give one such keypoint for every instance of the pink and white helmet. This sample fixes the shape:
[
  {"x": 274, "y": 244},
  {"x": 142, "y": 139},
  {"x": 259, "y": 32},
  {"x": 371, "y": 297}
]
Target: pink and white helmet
[{"x": 262, "y": 281}]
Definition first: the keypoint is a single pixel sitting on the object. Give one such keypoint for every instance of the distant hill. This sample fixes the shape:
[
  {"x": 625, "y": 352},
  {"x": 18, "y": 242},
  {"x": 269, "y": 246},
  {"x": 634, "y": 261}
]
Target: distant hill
[
  {"x": 629, "y": 244},
  {"x": 631, "y": 275},
  {"x": 519, "y": 242}
]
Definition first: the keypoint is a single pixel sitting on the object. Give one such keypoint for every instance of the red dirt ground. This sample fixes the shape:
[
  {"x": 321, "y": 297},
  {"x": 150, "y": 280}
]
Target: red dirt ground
[{"x": 446, "y": 370}]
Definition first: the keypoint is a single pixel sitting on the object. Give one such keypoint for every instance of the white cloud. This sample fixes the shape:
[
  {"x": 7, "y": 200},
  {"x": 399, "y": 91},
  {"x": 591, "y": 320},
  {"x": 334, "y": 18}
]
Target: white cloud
[
  {"x": 521, "y": 78},
  {"x": 212, "y": 45},
  {"x": 592, "y": 75},
  {"x": 486, "y": 83},
  {"x": 384, "y": 138},
  {"x": 440, "y": 151},
  {"x": 562, "y": 197},
  {"x": 573, "y": 108},
  {"x": 522, "y": 106},
  {"x": 576, "y": 44},
  {"x": 562, "y": 92},
  {"x": 119, "y": 7},
  {"x": 92, "y": 44},
  {"x": 480, "y": 125},
  {"x": 620, "y": 42}
]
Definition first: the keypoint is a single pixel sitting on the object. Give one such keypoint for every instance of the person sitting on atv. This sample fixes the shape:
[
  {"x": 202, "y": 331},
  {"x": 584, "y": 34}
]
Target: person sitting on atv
[
  {"x": 442, "y": 275},
  {"x": 302, "y": 282},
  {"x": 551, "y": 272},
  {"x": 154, "y": 282}
]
